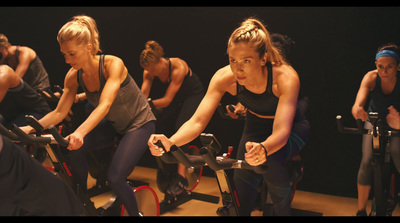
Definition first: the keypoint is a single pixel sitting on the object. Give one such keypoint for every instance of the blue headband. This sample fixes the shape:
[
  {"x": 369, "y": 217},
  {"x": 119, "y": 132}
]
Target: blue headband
[{"x": 387, "y": 53}]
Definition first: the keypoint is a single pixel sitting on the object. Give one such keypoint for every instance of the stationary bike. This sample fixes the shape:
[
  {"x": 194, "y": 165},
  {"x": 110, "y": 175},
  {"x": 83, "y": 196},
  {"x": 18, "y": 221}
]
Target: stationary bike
[
  {"x": 53, "y": 143},
  {"x": 385, "y": 176},
  {"x": 208, "y": 157}
]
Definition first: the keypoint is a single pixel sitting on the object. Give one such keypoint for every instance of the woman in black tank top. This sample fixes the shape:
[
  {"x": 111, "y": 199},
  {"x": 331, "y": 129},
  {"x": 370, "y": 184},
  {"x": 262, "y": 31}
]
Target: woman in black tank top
[
  {"x": 25, "y": 62},
  {"x": 383, "y": 85},
  {"x": 268, "y": 138},
  {"x": 182, "y": 96}
]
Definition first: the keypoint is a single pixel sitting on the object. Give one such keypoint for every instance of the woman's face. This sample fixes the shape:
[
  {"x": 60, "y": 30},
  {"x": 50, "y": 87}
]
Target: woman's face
[
  {"x": 387, "y": 67},
  {"x": 245, "y": 63},
  {"x": 74, "y": 54}
]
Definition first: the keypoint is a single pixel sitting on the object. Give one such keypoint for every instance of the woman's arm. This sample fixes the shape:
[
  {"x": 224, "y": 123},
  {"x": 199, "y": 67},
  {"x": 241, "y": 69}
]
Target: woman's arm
[
  {"x": 26, "y": 56},
  {"x": 8, "y": 79},
  {"x": 288, "y": 85},
  {"x": 367, "y": 85},
  {"x": 147, "y": 83},
  {"x": 63, "y": 106},
  {"x": 198, "y": 122},
  {"x": 177, "y": 77}
]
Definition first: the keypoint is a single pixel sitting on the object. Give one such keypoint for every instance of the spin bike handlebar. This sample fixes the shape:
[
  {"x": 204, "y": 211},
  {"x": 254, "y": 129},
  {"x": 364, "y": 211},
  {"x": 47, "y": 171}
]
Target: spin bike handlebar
[
  {"x": 225, "y": 115},
  {"x": 17, "y": 134},
  {"x": 217, "y": 163},
  {"x": 346, "y": 130},
  {"x": 176, "y": 155},
  {"x": 378, "y": 128}
]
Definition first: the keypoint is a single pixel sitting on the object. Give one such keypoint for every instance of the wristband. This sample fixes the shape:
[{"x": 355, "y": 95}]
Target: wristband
[{"x": 266, "y": 152}]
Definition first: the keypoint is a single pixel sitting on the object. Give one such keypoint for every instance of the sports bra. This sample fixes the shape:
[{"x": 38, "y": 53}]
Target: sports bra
[{"x": 262, "y": 104}]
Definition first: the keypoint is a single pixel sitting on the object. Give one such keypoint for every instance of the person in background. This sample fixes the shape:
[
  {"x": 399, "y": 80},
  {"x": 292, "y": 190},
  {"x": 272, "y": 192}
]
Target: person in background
[
  {"x": 18, "y": 99},
  {"x": 383, "y": 86},
  {"x": 25, "y": 62},
  {"x": 182, "y": 96}
]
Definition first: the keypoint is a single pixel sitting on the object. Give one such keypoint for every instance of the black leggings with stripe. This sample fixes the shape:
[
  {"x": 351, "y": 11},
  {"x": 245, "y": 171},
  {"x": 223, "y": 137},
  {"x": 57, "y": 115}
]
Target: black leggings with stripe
[{"x": 248, "y": 182}]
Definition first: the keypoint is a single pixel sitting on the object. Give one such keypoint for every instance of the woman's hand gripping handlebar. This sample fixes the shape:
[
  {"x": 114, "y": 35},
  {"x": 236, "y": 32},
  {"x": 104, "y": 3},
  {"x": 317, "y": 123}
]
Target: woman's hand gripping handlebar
[
  {"x": 220, "y": 163},
  {"x": 176, "y": 155},
  {"x": 377, "y": 130},
  {"x": 232, "y": 115}
]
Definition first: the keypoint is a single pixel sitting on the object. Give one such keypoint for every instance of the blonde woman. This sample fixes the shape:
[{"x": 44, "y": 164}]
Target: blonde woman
[
  {"x": 111, "y": 90},
  {"x": 182, "y": 96},
  {"x": 275, "y": 129}
]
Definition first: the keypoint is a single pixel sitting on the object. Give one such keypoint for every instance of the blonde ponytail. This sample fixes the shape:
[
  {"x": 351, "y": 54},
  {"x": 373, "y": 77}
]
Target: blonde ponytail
[{"x": 83, "y": 29}]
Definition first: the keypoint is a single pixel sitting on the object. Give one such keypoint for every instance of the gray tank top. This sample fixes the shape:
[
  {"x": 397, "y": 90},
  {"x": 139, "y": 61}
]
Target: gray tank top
[{"x": 130, "y": 109}]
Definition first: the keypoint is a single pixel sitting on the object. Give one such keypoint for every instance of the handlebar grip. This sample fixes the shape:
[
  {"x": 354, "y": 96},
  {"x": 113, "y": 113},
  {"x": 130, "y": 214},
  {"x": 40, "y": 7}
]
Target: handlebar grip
[
  {"x": 166, "y": 157},
  {"x": 32, "y": 121},
  {"x": 346, "y": 130},
  {"x": 260, "y": 169},
  {"x": 28, "y": 138},
  {"x": 4, "y": 131},
  {"x": 212, "y": 162},
  {"x": 58, "y": 137},
  {"x": 229, "y": 163},
  {"x": 225, "y": 115},
  {"x": 188, "y": 161},
  {"x": 231, "y": 108}
]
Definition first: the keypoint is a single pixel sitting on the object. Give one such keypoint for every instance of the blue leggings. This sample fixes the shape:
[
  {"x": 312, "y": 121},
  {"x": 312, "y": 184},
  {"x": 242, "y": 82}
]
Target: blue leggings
[{"x": 130, "y": 149}]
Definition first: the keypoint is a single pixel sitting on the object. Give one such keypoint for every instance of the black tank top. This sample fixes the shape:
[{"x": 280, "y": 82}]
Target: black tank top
[
  {"x": 262, "y": 104},
  {"x": 36, "y": 75},
  {"x": 191, "y": 84},
  {"x": 381, "y": 102},
  {"x": 22, "y": 99}
]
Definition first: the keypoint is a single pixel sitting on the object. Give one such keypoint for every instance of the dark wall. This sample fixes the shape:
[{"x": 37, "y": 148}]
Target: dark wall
[{"x": 334, "y": 48}]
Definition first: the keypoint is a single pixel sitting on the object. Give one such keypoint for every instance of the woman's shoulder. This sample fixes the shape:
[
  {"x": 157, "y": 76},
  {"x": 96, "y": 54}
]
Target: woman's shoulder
[
  {"x": 112, "y": 62},
  {"x": 224, "y": 74},
  {"x": 111, "y": 58},
  {"x": 370, "y": 76},
  {"x": 285, "y": 73}
]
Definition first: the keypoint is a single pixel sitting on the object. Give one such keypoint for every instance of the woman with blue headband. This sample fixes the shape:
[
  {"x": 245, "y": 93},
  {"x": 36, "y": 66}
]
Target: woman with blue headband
[{"x": 384, "y": 88}]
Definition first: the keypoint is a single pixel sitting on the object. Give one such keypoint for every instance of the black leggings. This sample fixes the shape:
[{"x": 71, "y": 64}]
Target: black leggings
[
  {"x": 130, "y": 149},
  {"x": 27, "y": 188},
  {"x": 277, "y": 178}
]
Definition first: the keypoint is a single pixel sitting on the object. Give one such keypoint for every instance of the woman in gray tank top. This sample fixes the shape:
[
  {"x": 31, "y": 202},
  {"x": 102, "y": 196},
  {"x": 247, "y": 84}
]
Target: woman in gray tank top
[{"x": 119, "y": 108}]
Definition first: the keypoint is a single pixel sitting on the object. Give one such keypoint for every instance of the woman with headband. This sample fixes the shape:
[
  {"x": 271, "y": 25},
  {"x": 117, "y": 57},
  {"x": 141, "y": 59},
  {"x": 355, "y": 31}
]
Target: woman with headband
[{"x": 384, "y": 88}]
